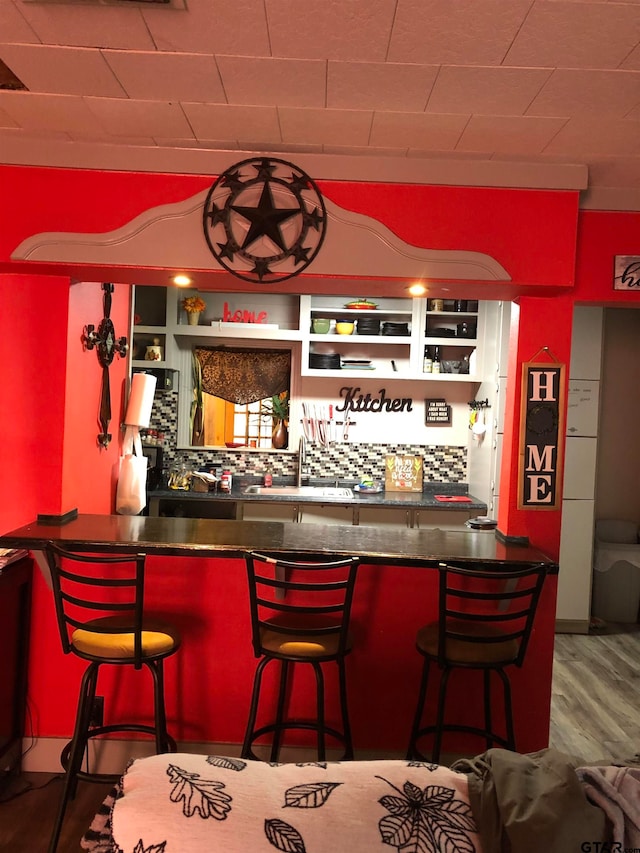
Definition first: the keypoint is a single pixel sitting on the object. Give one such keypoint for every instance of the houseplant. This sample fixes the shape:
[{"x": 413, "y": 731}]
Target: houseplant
[
  {"x": 280, "y": 415},
  {"x": 194, "y": 306}
]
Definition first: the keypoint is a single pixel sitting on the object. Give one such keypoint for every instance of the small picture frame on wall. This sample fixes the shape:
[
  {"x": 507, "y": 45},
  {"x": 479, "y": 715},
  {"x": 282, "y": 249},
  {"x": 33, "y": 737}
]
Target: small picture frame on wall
[{"x": 437, "y": 413}]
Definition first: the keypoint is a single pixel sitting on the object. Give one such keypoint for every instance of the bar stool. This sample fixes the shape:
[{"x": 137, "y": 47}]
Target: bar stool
[
  {"x": 101, "y": 619},
  {"x": 485, "y": 617},
  {"x": 300, "y": 612}
]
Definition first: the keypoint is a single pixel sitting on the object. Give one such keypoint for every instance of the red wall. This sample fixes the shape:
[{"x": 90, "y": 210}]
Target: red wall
[{"x": 51, "y": 461}]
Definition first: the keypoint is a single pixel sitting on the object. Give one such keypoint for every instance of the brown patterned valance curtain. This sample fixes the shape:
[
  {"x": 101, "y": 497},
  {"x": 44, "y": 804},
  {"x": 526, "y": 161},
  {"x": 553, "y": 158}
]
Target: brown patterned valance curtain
[{"x": 244, "y": 375}]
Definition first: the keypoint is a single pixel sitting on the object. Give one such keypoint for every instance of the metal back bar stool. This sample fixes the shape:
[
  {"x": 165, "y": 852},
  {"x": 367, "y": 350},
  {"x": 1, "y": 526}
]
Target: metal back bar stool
[
  {"x": 300, "y": 612},
  {"x": 99, "y": 603},
  {"x": 484, "y": 623}
]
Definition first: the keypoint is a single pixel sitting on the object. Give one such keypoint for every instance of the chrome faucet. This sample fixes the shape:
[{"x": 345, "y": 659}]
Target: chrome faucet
[{"x": 302, "y": 455}]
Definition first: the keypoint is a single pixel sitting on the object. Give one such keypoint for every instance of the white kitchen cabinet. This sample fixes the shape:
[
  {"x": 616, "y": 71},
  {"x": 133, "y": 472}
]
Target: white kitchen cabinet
[
  {"x": 573, "y": 607},
  {"x": 312, "y": 513},
  {"x": 383, "y": 516},
  {"x": 387, "y": 356},
  {"x": 269, "y": 511}
]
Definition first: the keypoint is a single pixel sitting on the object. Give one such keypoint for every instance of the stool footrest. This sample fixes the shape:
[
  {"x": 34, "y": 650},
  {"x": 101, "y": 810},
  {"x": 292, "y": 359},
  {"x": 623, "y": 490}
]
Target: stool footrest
[
  {"x": 496, "y": 739},
  {"x": 301, "y": 725}
]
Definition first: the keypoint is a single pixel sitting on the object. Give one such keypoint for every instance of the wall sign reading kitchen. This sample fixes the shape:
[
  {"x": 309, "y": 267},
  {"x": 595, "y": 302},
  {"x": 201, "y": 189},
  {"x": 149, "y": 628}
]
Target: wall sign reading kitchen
[{"x": 355, "y": 401}]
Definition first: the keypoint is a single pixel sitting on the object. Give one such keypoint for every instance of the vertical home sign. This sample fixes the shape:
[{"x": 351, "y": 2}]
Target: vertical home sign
[{"x": 541, "y": 435}]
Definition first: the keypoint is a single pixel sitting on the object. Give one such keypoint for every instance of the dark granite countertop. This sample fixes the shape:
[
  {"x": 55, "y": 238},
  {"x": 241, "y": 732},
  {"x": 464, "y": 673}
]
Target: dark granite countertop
[
  {"x": 198, "y": 537},
  {"x": 416, "y": 500}
]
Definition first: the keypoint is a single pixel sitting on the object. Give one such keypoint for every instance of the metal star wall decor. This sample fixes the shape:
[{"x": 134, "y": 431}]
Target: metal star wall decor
[
  {"x": 107, "y": 345},
  {"x": 264, "y": 220}
]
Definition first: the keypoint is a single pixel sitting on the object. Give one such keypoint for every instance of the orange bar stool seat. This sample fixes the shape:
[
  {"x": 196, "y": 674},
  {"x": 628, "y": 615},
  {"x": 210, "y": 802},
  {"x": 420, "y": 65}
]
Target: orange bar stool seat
[
  {"x": 300, "y": 614},
  {"x": 99, "y": 603},
  {"x": 485, "y": 618}
]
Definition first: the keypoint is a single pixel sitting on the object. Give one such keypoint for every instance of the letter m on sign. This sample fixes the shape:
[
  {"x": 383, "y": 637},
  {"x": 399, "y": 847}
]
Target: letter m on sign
[{"x": 541, "y": 435}]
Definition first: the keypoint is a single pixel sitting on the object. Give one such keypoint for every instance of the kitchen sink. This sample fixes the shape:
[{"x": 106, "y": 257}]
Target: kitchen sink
[{"x": 302, "y": 491}]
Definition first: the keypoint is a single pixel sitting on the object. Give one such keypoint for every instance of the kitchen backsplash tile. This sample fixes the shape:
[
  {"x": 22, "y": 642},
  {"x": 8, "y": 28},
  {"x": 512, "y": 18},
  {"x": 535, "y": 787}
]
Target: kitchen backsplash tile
[{"x": 344, "y": 461}]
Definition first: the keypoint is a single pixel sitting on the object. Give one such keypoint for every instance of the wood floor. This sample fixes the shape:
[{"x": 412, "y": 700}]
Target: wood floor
[{"x": 595, "y": 717}]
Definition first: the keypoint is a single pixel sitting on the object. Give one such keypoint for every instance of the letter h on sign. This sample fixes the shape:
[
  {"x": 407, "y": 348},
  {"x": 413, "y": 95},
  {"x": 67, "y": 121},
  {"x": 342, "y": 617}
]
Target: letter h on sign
[{"x": 541, "y": 435}]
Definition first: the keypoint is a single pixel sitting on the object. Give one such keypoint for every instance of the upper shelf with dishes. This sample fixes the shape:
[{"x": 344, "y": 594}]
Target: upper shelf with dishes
[
  {"x": 388, "y": 337},
  {"x": 338, "y": 336}
]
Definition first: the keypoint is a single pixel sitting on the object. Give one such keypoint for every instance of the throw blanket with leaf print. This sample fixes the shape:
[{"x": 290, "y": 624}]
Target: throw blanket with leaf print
[{"x": 182, "y": 803}]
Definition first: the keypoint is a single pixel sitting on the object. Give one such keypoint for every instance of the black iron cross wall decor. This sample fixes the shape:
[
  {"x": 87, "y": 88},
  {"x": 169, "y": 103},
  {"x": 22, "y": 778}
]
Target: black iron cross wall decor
[{"x": 107, "y": 345}]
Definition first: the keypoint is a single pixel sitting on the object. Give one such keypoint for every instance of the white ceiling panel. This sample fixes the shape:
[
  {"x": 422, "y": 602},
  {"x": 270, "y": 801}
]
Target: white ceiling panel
[
  {"x": 571, "y": 93},
  {"x": 415, "y": 130},
  {"x": 210, "y": 26},
  {"x": 379, "y": 85},
  {"x": 576, "y": 35},
  {"x": 356, "y": 30},
  {"x": 329, "y": 127},
  {"x": 62, "y": 70},
  {"x": 58, "y": 113},
  {"x": 510, "y": 134},
  {"x": 455, "y": 32},
  {"x": 153, "y": 76},
  {"x": 487, "y": 91},
  {"x": 299, "y": 82},
  {"x": 484, "y": 82},
  {"x": 120, "y": 117},
  {"x": 210, "y": 121},
  {"x": 88, "y": 25}
]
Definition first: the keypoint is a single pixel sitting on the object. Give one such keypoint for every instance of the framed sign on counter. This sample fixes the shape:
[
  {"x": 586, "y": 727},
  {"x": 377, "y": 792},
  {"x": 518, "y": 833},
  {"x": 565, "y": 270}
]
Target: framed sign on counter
[
  {"x": 403, "y": 474},
  {"x": 541, "y": 435}
]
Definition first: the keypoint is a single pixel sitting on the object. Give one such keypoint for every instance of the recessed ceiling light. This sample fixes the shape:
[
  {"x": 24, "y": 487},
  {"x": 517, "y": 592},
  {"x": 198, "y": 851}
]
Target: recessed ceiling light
[
  {"x": 417, "y": 289},
  {"x": 181, "y": 280}
]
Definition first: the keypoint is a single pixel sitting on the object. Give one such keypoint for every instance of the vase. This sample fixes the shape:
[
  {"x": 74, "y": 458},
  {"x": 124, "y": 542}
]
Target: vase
[
  {"x": 193, "y": 318},
  {"x": 280, "y": 435}
]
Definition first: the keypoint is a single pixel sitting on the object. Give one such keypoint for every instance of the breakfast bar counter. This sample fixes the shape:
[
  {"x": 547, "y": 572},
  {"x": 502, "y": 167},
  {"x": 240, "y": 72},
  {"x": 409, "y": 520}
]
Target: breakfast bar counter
[
  {"x": 199, "y": 537},
  {"x": 196, "y": 578}
]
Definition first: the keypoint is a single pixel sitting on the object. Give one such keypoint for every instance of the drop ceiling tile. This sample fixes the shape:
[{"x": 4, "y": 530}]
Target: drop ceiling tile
[
  {"x": 87, "y": 25},
  {"x": 509, "y": 134},
  {"x": 63, "y": 113},
  {"x": 329, "y": 127},
  {"x": 43, "y": 136},
  {"x": 577, "y": 92},
  {"x": 13, "y": 26},
  {"x": 463, "y": 32},
  {"x": 582, "y": 137},
  {"x": 379, "y": 85},
  {"x": 121, "y": 117},
  {"x": 62, "y": 70},
  {"x": 576, "y": 35},
  {"x": 281, "y": 82},
  {"x": 153, "y": 76},
  {"x": 226, "y": 26},
  {"x": 356, "y": 30},
  {"x": 417, "y": 130},
  {"x": 485, "y": 90},
  {"x": 248, "y": 122}
]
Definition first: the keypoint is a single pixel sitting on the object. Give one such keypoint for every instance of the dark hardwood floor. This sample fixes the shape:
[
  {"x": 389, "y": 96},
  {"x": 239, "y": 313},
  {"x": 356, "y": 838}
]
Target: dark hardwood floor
[{"x": 594, "y": 718}]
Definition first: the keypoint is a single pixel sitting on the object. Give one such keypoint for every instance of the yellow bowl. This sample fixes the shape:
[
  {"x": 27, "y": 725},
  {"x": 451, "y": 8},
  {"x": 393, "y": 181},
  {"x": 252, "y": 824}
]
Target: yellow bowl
[{"x": 343, "y": 328}]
